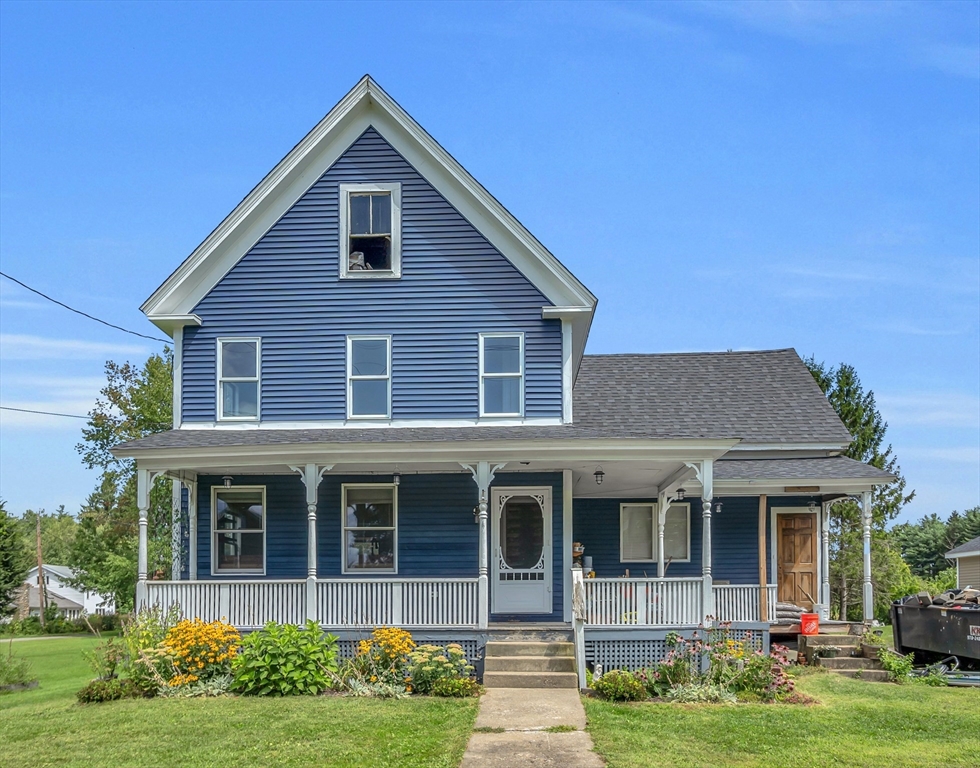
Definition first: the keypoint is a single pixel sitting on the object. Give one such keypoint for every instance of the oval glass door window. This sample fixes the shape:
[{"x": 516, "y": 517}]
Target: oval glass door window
[{"x": 521, "y": 532}]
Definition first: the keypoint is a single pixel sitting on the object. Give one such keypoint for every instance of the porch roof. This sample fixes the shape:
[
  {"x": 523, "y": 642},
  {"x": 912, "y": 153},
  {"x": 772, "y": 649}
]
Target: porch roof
[{"x": 796, "y": 470}]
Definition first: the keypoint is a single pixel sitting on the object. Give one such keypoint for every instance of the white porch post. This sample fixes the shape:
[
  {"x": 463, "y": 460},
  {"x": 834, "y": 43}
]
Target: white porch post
[
  {"x": 825, "y": 559},
  {"x": 311, "y": 476},
  {"x": 664, "y": 502},
  {"x": 483, "y": 475},
  {"x": 192, "y": 529},
  {"x": 175, "y": 537},
  {"x": 869, "y": 609},
  {"x": 705, "y": 474},
  {"x": 144, "y": 481}
]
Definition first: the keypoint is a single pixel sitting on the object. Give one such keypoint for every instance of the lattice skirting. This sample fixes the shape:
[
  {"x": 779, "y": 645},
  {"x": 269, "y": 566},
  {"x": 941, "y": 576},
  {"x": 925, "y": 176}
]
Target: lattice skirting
[
  {"x": 471, "y": 648},
  {"x": 639, "y": 652}
]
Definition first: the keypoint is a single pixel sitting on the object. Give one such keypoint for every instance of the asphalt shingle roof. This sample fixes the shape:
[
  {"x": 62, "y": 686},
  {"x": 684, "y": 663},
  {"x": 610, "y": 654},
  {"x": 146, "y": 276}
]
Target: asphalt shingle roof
[
  {"x": 756, "y": 397},
  {"x": 969, "y": 547},
  {"x": 831, "y": 468}
]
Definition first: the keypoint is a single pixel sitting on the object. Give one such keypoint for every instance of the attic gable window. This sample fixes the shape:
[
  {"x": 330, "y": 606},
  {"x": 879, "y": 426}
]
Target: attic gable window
[{"x": 370, "y": 231}]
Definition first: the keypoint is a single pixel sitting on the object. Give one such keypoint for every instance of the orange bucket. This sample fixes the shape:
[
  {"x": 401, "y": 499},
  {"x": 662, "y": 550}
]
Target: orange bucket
[{"x": 810, "y": 624}]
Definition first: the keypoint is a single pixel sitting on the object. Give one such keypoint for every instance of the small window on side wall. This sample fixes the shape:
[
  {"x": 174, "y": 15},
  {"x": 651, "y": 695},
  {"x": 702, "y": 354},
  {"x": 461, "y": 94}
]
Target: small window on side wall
[
  {"x": 638, "y": 533},
  {"x": 370, "y": 230},
  {"x": 238, "y": 541},
  {"x": 501, "y": 374},
  {"x": 239, "y": 366},
  {"x": 368, "y": 377}
]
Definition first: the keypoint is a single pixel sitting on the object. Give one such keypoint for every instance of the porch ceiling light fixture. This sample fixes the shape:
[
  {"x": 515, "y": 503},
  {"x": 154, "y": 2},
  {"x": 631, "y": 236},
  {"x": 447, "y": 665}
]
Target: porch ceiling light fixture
[
  {"x": 396, "y": 478},
  {"x": 812, "y": 506},
  {"x": 718, "y": 507},
  {"x": 599, "y": 475},
  {"x": 227, "y": 480},
  {"x": 681, "y": 493}
]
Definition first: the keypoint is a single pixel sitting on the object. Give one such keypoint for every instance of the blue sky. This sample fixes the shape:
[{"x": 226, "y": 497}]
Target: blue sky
[{"x": 789, "y": 175}]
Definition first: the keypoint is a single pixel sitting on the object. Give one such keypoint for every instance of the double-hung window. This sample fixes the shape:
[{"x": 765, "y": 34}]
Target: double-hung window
[
  {"x": 370, "y": 230},
  {"x": 239, "y": 366},
  {"x": 238, "y": 525},
  {"x": 638, "y": 533},
  {"x": 501, "y": 374},
  {"x": 370, "y": 516},
  {"x": 369, "y": 377}
]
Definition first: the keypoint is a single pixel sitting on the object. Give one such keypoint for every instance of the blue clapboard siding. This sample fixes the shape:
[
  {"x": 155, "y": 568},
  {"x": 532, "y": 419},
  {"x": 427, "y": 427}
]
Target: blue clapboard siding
[
  {"x": 554, "y": 481},
  {"x": 734, "y": 537},
  {"x": 454, "y": 285}
]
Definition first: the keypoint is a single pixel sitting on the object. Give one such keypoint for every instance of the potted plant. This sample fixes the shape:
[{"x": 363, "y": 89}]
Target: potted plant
[
  {"x": 828, "y": 652},
  {"x": 872, "y": 642}
]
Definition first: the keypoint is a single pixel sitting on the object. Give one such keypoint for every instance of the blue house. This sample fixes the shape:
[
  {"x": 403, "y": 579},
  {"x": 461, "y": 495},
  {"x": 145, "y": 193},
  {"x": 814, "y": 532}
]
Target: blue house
[{"x": 384, "y": 415}]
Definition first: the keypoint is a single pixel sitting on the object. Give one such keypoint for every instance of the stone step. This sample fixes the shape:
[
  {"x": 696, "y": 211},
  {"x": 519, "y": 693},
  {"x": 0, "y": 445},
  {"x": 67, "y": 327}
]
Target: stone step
[
  {"x": 530, "y": 680},
  {"x": 529, "y": 664},
  {"x": 871, "y": 675},
  {"x": 850, "y": 641},
  {"x": 524, "y": 648},
  {"x": 847, "y": 662}
]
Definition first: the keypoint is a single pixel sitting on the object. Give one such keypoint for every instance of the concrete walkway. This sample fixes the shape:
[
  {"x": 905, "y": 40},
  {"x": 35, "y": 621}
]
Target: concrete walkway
[{"x": 511, "y": 730}]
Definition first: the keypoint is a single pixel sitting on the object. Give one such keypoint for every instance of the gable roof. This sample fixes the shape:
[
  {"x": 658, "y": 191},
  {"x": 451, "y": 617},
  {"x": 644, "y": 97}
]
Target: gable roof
[
  {"x": 971, "y": 547},
  {"x": 757, "y": 398},
  {"x": 366, "y": 105}
]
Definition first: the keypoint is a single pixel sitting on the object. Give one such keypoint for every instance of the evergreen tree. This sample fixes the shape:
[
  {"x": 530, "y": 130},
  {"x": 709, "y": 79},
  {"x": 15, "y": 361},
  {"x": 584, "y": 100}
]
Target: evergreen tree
[{"x": 15, "y": 561}]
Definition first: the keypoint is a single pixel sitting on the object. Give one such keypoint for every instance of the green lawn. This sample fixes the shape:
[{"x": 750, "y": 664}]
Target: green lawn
[
  {"x": 46, "y": 727},
  {"x": 856, "y": 724}
]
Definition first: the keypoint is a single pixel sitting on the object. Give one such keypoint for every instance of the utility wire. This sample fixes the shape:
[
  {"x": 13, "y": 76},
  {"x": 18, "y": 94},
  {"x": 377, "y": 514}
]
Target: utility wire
[
  {"x": 43, "y": 413},
  {"x": 83, "y": 314}
]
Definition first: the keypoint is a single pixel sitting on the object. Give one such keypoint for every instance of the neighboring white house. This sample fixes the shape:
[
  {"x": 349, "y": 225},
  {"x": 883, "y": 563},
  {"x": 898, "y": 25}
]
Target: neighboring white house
[
  {"x": 967, "y": 557},
  {"x": 55, "y": 578}
]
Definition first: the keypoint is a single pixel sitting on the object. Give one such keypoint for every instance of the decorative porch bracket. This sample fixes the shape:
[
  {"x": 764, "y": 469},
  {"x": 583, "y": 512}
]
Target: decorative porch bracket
[
  {"x": 825, "y": 558},
  {"x": 666, "y": 495},
  {"x": 705, "y": 473},
  {"x": 144, "y": 483},
  {"x": 311, "y": 475},
  {"x": 869, "y": 607},
  {"x": 483, "y": 475}
]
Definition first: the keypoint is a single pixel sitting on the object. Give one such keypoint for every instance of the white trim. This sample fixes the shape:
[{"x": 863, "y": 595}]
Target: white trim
[
  {"x": 567, "y": 509},
  {"x": 654, "y": 507},
  {"x": 395, "y": 192},
  {"x": 215, "y": 571},
  {"x": 973, "y": 553},
  {"x": 567, "y": 375},
  {"x": 483, "y": 375},
  {"x": 547, "y": 514},
  {"x": 365, "y": 105},
  {"x": 218, "y": 378},
  {"x": 170, "y": 324},
  {"x": 389, "y": 424},
  {"x": 178, "y": 382},
  {"x": 386, "y": 418},
  {"x": 774, "y": 544},
  {"x": 344, "y": 528}
]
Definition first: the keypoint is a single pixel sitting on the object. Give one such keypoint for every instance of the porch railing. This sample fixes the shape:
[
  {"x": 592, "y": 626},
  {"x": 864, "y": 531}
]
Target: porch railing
[
  {"x": 656, "y": 602},
  {"x": 740, "y": 602},
  {"x": 338, "y": 603}
]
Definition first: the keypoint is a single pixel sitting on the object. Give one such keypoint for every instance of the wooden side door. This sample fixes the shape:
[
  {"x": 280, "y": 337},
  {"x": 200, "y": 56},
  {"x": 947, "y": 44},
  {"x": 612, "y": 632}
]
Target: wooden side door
[{"x": 796, "y": 558}]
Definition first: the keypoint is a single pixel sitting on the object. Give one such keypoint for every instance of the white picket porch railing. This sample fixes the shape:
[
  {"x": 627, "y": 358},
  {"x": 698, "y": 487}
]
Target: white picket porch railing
[
  {"x": 740, "y": 602},
  {"x": 651, "y": 602},
  {"x": 339, "y": 603}
]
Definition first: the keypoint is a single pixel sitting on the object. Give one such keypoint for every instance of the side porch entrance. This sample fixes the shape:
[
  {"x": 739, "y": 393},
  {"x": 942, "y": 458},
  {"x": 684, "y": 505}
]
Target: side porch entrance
[
  {"x": 521, "y": 572},
  {"x": 796, "y": 558}
]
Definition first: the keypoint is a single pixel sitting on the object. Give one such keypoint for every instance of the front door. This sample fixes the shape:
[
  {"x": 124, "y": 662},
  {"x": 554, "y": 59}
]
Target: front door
[
  {"x": 796, "y": 558},
  {"x": 521, "y": 550}
]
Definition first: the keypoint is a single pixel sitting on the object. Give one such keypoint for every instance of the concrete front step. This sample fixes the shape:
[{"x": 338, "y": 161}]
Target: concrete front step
[
  {"x": 841, "y": 641},
  {"x": 848, "y": 662},
  {"x": 529, "y": 664},
  {"x": 871, "y": 675},
  {"x": 525, "y": 648},
  {"x": 530, "y": 679}
]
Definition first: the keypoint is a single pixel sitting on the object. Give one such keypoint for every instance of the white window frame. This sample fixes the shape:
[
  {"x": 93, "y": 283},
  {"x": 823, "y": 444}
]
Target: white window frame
[
  {"x": 395, "y": 191},
  {"x": 215, "y": 571},
  {"x": 221, "y": 341},
  {"x": 654, "y": 510},
  {"x": 344, "y": 528},
  {"x": 484, "y": 375},
  {"x": 351, "y": 378}
]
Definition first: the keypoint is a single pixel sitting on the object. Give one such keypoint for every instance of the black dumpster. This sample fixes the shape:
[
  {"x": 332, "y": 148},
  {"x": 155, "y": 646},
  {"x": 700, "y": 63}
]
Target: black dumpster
[{"x": 934, "y": 630}]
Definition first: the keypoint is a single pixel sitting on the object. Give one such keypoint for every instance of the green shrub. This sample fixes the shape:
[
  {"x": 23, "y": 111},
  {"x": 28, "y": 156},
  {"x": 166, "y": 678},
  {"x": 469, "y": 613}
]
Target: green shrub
[
  {"x": 285, "y": 660},
  {"x": 14, "y": 670},
  {"x": 701, "y": 693},
  {"x": 455, "y": 687},
  {"x": 429, "y": 664},
  {"x": 107, "y": 690},
  {"x": 105, "y": 658},
  {"x": 898, "y": 667},
  {"x": 619, "y": 685}
]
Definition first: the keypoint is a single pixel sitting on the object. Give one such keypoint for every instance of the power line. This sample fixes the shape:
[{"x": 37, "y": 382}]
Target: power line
[
  {"x": 83, "y": 314},
  {"x": 43, "y": 413}
]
